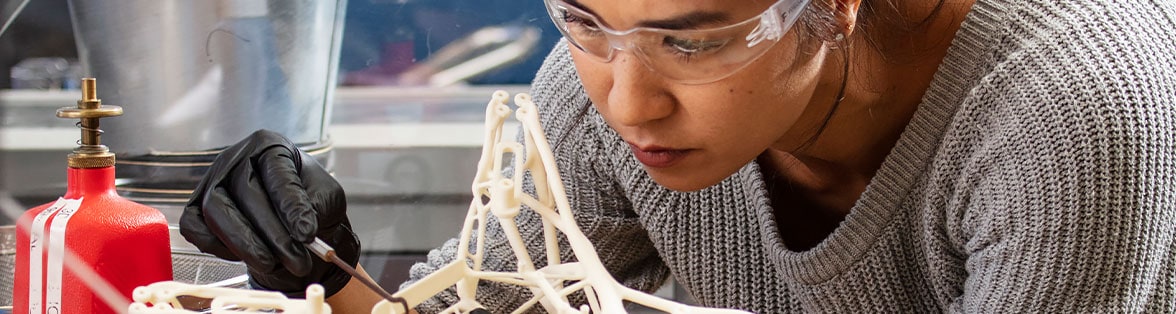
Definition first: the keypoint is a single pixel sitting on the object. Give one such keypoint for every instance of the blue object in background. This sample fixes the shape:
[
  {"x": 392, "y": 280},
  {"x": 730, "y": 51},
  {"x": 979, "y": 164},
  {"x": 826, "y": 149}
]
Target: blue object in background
[{"x": 384, "y": 37}]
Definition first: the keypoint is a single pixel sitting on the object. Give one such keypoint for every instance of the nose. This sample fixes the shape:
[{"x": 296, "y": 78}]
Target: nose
[{"x": 637, "y": 95}]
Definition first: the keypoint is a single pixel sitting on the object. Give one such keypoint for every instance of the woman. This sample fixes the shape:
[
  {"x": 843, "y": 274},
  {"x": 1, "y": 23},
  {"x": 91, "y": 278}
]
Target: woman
[{"x": 873, "y": 156}]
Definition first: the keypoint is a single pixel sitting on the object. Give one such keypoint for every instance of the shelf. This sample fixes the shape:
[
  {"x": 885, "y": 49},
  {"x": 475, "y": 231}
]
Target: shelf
[{"x": 362, "y": 117}]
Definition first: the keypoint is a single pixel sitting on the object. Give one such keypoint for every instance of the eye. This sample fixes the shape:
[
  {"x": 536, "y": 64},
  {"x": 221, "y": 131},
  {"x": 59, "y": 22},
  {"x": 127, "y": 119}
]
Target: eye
[
  {"x": 580, "y": 23},
  {"x": 690, "y": 46}
]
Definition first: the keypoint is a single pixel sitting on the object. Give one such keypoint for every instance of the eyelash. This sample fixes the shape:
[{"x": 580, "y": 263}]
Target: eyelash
[
  {"x": 587, "y": 24},
  {"x": 675, "y": 46}
]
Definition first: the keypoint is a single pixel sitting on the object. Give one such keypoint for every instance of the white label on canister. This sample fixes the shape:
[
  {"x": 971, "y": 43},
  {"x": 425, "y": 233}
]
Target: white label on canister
[
  {"x": 54, "y": 269},
  {"x": 36, "y": 254}
]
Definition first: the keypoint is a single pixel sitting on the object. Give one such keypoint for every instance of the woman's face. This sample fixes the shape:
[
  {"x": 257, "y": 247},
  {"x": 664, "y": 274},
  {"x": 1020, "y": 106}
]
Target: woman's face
[{"x": 689, "y": 137}]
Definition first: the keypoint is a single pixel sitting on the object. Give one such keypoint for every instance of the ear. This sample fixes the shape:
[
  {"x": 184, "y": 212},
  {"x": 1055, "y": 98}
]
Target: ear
[{"x": 845, "y": 15}]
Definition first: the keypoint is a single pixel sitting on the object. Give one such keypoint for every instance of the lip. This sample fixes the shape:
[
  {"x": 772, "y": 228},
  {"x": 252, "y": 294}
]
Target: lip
[{"x": 657, "y": 156}]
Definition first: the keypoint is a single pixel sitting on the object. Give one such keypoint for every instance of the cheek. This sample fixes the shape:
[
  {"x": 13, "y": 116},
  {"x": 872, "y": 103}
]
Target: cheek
[
  {"x": 780, "y": 85},
  {"x": 754, "y": 109},
  {"x": 766, "y": 98},
  {"x": 595, "y": 76}
]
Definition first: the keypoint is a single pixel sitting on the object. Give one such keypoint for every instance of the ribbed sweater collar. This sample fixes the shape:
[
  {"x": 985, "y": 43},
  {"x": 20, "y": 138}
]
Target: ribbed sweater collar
[{"x": 883, "y": 198}]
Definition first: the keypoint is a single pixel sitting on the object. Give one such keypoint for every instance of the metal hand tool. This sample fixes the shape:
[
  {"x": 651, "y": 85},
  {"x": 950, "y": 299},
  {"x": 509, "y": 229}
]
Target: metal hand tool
[{"x": 327, "y": 253}]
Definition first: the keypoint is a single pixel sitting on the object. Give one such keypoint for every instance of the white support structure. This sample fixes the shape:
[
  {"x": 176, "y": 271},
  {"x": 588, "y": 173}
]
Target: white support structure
[
  {"x": 550, "y": 285},
  {"x": 164, "y": 298}
]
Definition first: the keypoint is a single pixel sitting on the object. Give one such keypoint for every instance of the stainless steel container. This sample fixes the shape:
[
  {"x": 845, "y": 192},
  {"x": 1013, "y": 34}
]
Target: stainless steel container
[{"x": 195, "y": 76}]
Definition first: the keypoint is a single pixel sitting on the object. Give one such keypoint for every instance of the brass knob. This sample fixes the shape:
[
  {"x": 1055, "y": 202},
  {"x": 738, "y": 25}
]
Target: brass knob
[{"x": 90, "y": 152}]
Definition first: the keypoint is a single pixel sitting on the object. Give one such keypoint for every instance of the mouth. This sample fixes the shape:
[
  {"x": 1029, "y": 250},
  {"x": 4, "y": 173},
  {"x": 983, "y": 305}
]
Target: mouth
[{"x": 657, "y": 156}]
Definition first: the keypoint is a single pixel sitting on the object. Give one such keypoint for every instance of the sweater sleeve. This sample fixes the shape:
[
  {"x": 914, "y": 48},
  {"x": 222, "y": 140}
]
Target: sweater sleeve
[
  {"x": 1075, "y": 211},
  {"x": 602, "y": 212}
]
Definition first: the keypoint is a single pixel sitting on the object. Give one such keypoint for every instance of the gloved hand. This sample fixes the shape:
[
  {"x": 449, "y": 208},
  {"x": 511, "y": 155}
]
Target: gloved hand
[{"x": 261, "y": 200}]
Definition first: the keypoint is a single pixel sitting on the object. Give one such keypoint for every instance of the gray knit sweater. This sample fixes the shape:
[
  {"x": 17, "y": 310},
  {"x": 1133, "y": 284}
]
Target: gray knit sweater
[{"x": 1038, "y": 175}]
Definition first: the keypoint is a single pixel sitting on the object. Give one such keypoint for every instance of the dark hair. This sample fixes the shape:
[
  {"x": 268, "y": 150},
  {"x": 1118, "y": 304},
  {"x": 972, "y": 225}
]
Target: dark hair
[{"x": 819, "y": 22}]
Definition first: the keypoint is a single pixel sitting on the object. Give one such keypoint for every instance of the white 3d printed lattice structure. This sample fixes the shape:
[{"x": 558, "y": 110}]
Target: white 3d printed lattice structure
[
  {"x": 552, "y": 284},
  {"x": 166, "y": 297},
  {"x": 501, "y": 197}
]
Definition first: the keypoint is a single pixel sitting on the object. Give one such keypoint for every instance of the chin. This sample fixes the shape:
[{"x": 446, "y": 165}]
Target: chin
[{"x": 683, "y": 181}]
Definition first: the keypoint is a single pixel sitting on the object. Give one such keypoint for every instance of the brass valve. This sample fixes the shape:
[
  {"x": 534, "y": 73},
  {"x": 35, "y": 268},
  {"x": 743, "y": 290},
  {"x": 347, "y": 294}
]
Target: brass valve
[{"x": 90, "y": 152}]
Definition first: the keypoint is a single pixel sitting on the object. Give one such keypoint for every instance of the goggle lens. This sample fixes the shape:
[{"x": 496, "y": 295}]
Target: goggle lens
[{"x": 687, "y": 56}]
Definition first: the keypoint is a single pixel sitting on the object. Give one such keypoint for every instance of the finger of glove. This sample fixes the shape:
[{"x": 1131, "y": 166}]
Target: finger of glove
[
  {"x": 279, "y": 167},
  {"x": 228, "y": 159},
  {"x": 224, "y": 162},
  {"x": 324, "y": 193},
  {"x": 346, "y": 243},
  {"x": 193, "y": 228},
  {"x": 216, "y": 174},
  {"x": 198, "y": 194},
  {"x": 254, "y": 202},
  {"x": 231, "y": 228}
]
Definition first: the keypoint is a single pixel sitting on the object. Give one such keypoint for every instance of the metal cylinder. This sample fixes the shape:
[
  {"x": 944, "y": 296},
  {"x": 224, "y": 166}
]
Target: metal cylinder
[
  {"x": 196, "y": 76},
  {"x": 200, "y": 75}
]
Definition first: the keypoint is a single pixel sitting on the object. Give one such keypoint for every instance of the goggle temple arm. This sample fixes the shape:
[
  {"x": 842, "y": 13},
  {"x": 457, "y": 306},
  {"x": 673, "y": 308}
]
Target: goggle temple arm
[{"x": 770, "y": 28}]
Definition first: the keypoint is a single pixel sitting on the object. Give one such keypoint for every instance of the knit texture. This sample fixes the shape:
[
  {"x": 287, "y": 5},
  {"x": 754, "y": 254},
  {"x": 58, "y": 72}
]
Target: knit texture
[{"x": 1037, "y": 175}]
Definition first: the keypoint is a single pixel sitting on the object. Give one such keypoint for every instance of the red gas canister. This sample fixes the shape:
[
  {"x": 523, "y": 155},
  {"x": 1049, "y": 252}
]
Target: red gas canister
[{"x": 87, "y": 251}]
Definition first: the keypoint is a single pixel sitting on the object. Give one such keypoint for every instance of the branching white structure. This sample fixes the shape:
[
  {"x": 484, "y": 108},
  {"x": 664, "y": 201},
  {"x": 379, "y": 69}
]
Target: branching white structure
[
  {"x": 496, "y": 196},
  {"x": 165, "y": 298},
  {"x": 551, "y": 285}
]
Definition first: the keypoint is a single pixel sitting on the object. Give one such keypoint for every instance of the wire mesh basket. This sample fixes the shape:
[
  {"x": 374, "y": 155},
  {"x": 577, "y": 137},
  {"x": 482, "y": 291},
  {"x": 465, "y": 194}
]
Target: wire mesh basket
[
  {"x": 189, "y": 265},
  {"x": 7, "y": 262}
]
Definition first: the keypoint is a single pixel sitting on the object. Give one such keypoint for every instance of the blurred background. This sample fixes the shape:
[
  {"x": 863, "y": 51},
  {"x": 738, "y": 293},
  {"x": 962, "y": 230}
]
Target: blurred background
[
  {"x": 388, "y": 94},
  {"x": 400, "y": 125},
  {"x": 382, "y": 39}
]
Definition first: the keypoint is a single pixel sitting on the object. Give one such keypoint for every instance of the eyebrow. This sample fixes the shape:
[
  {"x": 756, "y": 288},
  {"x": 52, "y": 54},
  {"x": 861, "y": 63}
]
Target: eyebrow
[{"x": 691, "y": 20}]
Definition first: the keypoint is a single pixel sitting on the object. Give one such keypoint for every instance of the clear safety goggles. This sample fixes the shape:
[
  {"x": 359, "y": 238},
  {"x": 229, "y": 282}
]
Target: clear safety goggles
[{"x": 688, "y": 56}]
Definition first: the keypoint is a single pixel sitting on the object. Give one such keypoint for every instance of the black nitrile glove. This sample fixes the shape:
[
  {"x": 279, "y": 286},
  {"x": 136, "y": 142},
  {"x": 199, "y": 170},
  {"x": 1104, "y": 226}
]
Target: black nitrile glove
[{"x": 261, "y": 200}]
